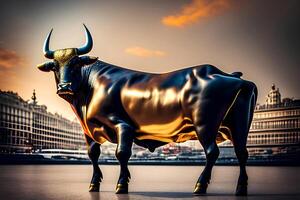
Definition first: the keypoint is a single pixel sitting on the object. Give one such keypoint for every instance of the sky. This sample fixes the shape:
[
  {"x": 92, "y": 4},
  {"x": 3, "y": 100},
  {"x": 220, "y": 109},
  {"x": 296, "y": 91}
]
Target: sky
[{"x": 258, "y": 38}]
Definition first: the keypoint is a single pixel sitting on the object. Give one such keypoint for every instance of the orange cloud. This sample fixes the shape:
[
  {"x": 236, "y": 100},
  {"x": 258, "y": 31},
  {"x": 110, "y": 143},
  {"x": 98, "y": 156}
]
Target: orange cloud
[
  {"x": 143, "y": 52},
  {"x": 9, "y": 59},
  {"x": 195, "y": 11}
]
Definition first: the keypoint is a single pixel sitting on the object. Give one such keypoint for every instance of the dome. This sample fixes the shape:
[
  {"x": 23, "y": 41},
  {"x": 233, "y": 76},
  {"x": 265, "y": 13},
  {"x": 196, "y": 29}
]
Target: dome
[{"x": 274, "y": 96}]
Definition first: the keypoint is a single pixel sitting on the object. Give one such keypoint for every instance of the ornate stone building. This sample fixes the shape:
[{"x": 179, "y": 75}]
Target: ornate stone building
[
  {"x": 26, "y": 126},
  {"x": 275, "y": 129}
]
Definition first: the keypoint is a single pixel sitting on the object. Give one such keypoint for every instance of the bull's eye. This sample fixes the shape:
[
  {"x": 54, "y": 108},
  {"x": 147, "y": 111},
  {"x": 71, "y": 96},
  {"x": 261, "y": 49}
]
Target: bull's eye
[
  {"x": 55, "y": 66},
  {"x": 74, "y": 62}
]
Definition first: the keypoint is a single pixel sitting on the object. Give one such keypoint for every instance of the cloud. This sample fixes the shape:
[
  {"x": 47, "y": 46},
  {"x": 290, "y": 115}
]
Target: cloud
[
  {"x": 195, "y": 11},
  {"x": 143, "y": 52},
  {"x": 9, "y": 59}
]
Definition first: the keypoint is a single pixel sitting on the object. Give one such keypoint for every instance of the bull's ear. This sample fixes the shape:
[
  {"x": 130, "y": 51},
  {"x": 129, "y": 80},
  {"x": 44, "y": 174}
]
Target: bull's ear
[
  {"x": 87, "y": 60},
  {"x": 46, "y": 67}
]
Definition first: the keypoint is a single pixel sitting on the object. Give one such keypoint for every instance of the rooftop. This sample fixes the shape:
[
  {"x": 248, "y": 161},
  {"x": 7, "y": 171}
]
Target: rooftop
[{"x": 274, "y": 101}]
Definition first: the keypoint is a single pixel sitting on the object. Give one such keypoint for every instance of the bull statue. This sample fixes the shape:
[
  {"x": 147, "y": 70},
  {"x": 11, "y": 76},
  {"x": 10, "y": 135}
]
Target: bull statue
[{"x": 125, "y": 106}]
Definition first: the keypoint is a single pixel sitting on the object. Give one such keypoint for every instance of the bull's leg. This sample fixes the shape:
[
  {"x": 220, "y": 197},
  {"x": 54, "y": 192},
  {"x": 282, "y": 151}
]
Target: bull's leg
[
  {"x": 207, "y": 140},
  {"x": 207, "y": 117},
  {"x": 242, "y": 155},
  {"x": 123, "y": 153},
  {"x": 94, "y": 153},
  {"x": 241, "y": 119}
]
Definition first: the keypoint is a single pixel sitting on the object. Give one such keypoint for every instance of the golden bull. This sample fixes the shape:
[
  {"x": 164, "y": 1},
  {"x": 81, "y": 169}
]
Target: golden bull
[{"x": 124, "y": 106}]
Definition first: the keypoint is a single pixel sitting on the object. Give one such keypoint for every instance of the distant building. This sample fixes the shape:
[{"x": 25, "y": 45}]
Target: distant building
[
  {"x": 275, "y": 129},
  {"x": 26, "y": 126}
]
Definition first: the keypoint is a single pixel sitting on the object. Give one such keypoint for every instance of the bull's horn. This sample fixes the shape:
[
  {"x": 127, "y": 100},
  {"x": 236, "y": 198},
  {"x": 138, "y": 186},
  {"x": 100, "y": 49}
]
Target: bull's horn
[
  {"x": 47, "y": 52},
  {"x": 87, "y": 47}
]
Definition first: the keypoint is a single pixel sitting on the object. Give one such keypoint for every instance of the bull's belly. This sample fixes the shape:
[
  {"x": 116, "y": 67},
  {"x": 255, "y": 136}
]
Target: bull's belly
[
  {"x": 185, "y": 131},
  {"x": 178, "y": 130},
  {"x": 158, "y": 114}
]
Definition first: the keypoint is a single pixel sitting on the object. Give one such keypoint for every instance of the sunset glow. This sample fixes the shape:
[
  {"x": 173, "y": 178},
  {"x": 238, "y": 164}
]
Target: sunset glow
[
  {"x": 255, "y": 37},
  {"x": 195, "y": 11}
]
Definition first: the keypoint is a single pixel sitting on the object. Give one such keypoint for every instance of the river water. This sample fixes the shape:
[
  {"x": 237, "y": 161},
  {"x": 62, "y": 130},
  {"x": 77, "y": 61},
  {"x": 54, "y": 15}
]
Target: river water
[{"x": 148, "y": 182}]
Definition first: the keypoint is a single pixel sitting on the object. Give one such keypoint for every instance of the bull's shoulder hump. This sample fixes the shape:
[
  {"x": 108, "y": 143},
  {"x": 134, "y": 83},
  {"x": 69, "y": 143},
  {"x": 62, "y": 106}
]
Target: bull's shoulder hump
[{"x": 206, "y": 70}]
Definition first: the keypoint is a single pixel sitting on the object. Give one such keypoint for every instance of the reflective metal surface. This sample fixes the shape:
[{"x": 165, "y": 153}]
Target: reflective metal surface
[
  {"x": 166, "y": 107},
  {"x": 160, "y": 107}
]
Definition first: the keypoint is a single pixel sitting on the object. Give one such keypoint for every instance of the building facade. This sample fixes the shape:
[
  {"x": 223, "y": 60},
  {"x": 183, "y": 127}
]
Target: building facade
[
  {"x": 26, "y": 126},
  {"x": 275, "y": 129}
]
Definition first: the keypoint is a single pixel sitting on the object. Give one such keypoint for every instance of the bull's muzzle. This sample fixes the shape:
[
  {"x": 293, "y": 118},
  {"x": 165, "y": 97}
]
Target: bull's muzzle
[{"x": 64, "y": 89}]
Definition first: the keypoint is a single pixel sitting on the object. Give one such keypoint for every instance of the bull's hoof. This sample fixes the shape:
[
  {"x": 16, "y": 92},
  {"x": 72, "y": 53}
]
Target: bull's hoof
[
  {"x": 122, "y": 189},
  {"x": 94, "y": 187},
  {"x": 241, "y": 190},
  {"x": 200, "y": 189}
]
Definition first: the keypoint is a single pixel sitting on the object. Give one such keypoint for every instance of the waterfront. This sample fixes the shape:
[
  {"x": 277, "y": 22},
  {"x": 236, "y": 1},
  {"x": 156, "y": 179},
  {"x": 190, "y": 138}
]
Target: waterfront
[{"x": 148, "y": 182}]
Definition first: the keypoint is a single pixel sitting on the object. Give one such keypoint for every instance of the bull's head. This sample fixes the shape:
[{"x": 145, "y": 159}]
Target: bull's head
[{"x": 66, "y": 65}]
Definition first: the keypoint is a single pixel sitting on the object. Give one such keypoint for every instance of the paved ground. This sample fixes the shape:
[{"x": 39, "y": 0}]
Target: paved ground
[{"x": 148, "y": 182}]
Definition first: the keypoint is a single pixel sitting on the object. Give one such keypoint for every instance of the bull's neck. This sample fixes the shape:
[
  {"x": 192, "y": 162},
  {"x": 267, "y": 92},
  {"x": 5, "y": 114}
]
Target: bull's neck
[
  {"x": 87, "y": 83},
  {"x": 85, "y": 88},
  {"x": 83, "y": 93}
]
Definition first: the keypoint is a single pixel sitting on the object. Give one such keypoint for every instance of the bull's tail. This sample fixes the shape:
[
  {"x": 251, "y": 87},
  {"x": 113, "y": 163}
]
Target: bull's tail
[
  {"x": 237, "y": 74},
  {"x": 252, "y": 89}
]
